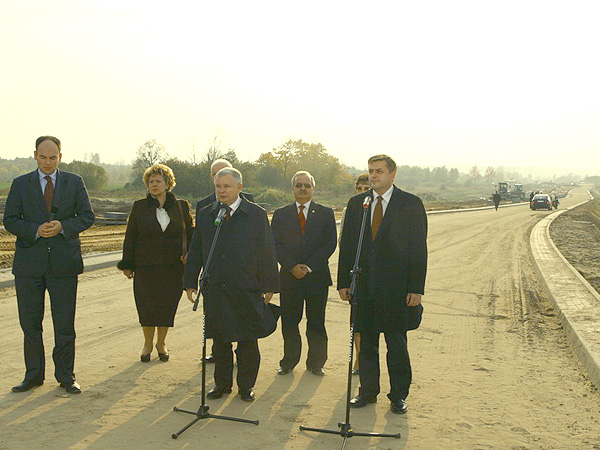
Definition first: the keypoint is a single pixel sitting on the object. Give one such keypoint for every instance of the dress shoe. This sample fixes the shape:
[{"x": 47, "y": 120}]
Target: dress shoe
[
  {"x": 71, "y": 388},
  {"x": 210, "y": 359},
  {"x": 318, "y": 372},
  {"x": 360, "y": 401},
  {"x": 145, "y": 358},
  {"x": 218, "y": 392},
  {"x": 26, "y": 385},
  {"x": 283, "y": 370},
  {"x": 247, "y": 395},
  {"x": 399, "y": 407}
]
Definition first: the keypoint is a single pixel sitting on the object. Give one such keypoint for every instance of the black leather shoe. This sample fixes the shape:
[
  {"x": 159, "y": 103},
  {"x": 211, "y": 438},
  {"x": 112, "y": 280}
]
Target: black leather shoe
[
  {"x": 71, "y": 388},
  {"x": 360, "y": 401},
  {"x": 210, "y": 359},
  {"x": 283, "y": 370},
  {"x": 218, "y": 392},
  {"x": 26, "y": 385},
  {"x": 318, "y": 372},
  {"x": 399, "y": 407},
  {"x": 247, "y": 395}
]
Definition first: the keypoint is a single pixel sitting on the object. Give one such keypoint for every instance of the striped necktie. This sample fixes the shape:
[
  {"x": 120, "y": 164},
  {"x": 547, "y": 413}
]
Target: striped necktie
[{"x": 377, "y": 218}]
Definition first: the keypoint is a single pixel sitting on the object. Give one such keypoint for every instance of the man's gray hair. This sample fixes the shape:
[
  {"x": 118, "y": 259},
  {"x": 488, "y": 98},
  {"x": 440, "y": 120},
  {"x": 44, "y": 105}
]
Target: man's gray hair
[
  {"x": 236, "y": 174},
  {"x": 303, "y": 172},
  {"x": 221, "y": 162}
]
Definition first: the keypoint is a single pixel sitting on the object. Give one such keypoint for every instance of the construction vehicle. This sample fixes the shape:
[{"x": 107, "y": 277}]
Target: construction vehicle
[{"x": 511, "y": 191}]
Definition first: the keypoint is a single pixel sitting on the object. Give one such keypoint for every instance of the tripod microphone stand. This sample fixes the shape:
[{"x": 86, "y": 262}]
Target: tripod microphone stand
[
  {"x": 346, "y": 431},
  {"x": 202, "y": 412}
]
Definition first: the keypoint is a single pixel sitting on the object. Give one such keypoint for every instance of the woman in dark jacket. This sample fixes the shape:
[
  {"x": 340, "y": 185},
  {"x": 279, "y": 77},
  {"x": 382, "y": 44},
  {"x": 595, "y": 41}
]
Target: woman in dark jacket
[{"x": 154, "y": 255}]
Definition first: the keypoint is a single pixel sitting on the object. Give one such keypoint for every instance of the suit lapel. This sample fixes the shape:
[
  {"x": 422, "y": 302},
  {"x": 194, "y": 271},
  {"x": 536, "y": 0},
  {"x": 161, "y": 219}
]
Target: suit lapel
[
  {"x": 312, "y": 216},
  {"x": 61, "y": 186},
  {"x": 392, "y": 207},
  {"x": 35, "y": 190}
]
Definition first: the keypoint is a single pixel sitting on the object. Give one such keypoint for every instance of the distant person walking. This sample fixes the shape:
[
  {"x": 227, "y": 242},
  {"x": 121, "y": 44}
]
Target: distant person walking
[
  {"x": 154, "y": 255},
  {"x": 496, "y": 199}
]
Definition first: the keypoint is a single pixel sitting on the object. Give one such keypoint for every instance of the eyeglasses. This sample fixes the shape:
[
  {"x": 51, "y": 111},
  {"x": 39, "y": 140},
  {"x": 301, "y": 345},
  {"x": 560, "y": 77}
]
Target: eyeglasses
[{"x": 306, "y": 185}]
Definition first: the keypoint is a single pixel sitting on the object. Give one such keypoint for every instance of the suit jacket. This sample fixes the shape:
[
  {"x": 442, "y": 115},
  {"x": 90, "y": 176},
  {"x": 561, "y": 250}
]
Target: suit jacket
[
  {"x": 392, "y": 266},
  {"x": 212, "y": 198},
  {"x": 146, "y": 244},
  {"x": 244, "y": 265},
  {"x": 26, "y": 210},
  {"x": 313, "y": 249}
]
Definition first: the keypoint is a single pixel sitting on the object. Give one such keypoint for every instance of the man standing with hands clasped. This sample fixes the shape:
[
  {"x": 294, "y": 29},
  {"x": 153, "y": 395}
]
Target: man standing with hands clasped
[
  {"x": 46, "y": 210},
  {"x": 305, "y": 237},
  {"x": 394, "y": 263}
]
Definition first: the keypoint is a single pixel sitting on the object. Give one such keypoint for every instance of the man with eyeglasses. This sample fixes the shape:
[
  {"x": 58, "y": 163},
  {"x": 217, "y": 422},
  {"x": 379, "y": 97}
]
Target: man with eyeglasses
[{"x": 305, "y": 237}]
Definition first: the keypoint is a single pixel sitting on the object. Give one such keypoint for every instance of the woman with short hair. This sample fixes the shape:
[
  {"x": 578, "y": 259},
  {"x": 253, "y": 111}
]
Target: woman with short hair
[{"x": 154, "y": 255}]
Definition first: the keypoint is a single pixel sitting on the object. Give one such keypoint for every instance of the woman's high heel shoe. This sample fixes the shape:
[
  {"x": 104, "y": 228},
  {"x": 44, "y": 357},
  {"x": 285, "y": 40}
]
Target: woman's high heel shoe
[
  {"x": 145, "y": 358},
  {"x": 162, "y": 356}
]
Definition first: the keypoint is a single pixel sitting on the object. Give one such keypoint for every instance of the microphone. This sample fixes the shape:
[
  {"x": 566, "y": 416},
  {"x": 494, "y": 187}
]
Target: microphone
[
  {"x": 220, "y": 216},
  {"x": 53, "y": 212},
  {"x": 367, "y": 201}
]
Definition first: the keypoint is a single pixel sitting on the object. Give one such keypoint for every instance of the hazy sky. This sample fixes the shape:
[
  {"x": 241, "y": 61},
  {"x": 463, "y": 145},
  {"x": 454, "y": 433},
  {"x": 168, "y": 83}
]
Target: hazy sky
[{"x": 513, "y": 83}]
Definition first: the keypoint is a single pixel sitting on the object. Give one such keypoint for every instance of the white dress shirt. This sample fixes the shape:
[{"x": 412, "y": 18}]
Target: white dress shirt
[{"x": 387, "y": 195}]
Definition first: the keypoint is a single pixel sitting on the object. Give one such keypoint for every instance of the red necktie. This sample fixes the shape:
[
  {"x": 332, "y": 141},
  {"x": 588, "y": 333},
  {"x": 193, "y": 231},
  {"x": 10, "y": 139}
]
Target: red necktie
[
  {"x": 302, "y": 219},
  {"x": 377, "y": 218},
  {"x": 49, "y": 192}
]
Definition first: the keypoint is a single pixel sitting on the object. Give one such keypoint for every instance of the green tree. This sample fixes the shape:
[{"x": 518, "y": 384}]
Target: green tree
[{"x": 93, "y": 175}]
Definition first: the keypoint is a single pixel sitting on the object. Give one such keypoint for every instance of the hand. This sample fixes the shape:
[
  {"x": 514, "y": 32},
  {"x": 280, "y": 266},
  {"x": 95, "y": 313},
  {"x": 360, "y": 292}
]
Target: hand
[
  {"x": 267, "y": 297},
  {"x": 300, "y": 271},
  {"x": 50, "y": 229},
  {"x": 128, "y": 273},
  {"x": 345, "y": 294},
  {"x": 413, "y": 299},
  {"x": 191, "y": 293}
]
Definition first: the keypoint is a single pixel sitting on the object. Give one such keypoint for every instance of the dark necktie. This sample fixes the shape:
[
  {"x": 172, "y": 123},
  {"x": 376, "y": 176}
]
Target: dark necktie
[
  {"x": 377, "y": 217},
  {"x": 228, "y": 214},
  {"x": 49, "y": 192},
  {"x": 302, "y": 219}
]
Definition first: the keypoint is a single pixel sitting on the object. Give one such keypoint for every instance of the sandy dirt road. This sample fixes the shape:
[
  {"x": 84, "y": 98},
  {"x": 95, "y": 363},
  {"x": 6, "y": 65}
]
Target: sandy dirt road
[{"x": 492, "y": 368}]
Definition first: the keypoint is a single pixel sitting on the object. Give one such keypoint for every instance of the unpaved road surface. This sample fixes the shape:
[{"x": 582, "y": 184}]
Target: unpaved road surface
[{"x": 492, "y": 367}]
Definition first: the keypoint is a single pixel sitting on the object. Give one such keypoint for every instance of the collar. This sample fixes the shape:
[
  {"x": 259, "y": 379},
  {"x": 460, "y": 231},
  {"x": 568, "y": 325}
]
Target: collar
[
  {"x": 43, "y": 176},
  {"x": 387, "y": 195},
  {"x": 306, "y": 207},
  {"x": 234, "y": 206},
  {"x": 170, "y": 200}
]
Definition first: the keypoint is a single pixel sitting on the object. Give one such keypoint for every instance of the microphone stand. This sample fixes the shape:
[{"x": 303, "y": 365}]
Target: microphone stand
[
  {"x": 202, "y": 412},
  {"x": 346, "y": 431}
]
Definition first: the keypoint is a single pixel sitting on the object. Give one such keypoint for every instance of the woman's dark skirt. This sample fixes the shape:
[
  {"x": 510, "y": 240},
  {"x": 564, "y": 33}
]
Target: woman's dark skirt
[{"x": 157, "y": 291}]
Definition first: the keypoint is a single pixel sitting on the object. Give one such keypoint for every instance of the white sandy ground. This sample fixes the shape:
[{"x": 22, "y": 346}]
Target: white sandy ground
[{"x": 492, "y": 368}]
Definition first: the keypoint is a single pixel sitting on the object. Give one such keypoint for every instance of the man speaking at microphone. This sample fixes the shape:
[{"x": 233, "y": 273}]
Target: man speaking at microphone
[
  {"x": 46, "y": 210},
  {"x": 242, "y": 278},
  {"x": 393, "y": 265}
]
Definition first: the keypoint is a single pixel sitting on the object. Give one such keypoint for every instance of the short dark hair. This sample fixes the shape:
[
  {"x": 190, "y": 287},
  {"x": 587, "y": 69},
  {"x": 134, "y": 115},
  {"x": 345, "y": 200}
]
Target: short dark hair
[
  {"x": 41, "y": 139},
  {"x": 363, "y": 178},
  {"x": 389, "y": 162}
]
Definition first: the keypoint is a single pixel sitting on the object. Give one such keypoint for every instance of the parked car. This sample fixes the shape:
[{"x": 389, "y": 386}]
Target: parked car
[{"x": 541, "y": 201}]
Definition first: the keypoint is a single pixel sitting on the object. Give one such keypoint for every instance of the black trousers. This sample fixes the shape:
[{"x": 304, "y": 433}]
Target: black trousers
[
  {"x": 30, "y": 301},
  {"x": 248, "y": 360},
  {"x": 398, "y": 363},
  {"x": 292, "y": 306}
]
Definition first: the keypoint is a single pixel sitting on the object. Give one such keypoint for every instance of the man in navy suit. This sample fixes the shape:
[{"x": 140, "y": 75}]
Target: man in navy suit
[
  {"x": 46, "y": 210},
  {"x": 305, "y": 237},
  {"x": 217, "y": 165},
  {"x": 393, "y": 264}
]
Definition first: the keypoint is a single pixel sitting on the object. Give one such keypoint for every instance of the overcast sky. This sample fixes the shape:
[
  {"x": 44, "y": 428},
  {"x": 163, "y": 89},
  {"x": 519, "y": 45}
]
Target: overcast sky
[{"x": 512, "y": 83}]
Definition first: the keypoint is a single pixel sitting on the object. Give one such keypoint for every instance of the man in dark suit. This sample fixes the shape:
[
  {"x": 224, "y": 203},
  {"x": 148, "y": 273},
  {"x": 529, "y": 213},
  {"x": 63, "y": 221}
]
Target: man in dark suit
[
  {"x": 46, "y": 210},
  {"x": 217, "y": 165},
  {"x": 242, "y": 280},
  {"x": 305, "y": 236},
  {"x": 388, "y": 295}
]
